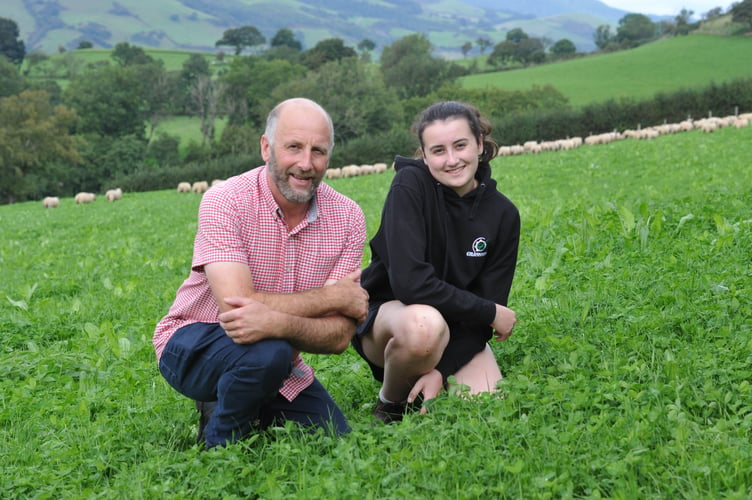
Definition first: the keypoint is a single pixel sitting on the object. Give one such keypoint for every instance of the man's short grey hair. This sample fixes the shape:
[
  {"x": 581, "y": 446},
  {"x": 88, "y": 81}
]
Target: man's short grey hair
[{"x": 273, "y": 118}]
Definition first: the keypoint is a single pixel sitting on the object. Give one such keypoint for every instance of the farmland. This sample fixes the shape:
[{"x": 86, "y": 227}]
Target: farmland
[{"x": 626, "y": 377}]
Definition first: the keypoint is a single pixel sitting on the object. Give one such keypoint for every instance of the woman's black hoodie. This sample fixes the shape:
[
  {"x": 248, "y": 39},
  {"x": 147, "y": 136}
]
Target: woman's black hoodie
[{"x": 457, "y": 254}]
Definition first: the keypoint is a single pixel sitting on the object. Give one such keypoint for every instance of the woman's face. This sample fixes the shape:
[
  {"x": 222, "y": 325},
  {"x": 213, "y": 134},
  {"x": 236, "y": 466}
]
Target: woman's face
[{"x": 451, "y": 153}]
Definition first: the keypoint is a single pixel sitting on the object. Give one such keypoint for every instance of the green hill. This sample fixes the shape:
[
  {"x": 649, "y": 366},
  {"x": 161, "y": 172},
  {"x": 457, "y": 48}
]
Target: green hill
[
  {"x": 198, "y": 24},
  {"x": 692, "y": 61}
]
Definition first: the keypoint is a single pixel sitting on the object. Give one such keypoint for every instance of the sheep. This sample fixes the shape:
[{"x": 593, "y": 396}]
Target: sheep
[
  {"x": 504, "y": 151},
  {"x": 366, "y": 169},
  {"x": 51, "y": 202},
  {"x": 351, "y": 171},
  {"x": 217, "y": 182},
  {"x": 379, "y": 168},
  {"x": 184, "y": 187},
  {"x": 113, "y": 194},
  {"x": 333, "y": 173},
  {"x": 85, "y": 198},
  {"x": 200, "y": 187}
]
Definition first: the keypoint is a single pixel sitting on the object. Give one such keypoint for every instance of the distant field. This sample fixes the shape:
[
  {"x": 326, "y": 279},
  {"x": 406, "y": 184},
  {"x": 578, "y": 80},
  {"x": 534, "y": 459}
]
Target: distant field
[
  {"x": 173, "y": 59},
  {"x": 686, "y": 62}
]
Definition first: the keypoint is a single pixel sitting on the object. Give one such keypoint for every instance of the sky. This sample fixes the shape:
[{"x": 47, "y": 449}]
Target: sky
[{"x": 668, "y": 7}]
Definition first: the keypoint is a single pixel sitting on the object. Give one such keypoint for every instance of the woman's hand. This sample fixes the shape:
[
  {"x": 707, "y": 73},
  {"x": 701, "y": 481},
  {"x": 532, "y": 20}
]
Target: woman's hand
[
  {"x": 504, "y": 322},
  {"x": 429, "y": 385}
]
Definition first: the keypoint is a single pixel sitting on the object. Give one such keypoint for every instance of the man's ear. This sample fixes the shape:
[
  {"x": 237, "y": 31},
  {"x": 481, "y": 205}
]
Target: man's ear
[{"x": 265, "y": 148}]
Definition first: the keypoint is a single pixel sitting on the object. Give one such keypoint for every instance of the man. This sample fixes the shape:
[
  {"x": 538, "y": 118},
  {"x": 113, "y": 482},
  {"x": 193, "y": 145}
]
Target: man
[{"x": 275, "y": 272}]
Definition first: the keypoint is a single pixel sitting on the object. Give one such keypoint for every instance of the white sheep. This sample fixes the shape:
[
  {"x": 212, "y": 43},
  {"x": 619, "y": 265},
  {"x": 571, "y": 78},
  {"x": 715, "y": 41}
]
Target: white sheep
[
  {"x": 85, "y": 198},
  {"x": 217, "y": 182},
  {"x": 184, "y": 187},
  {"x": 333, "y": 173},
  {"x": 351, "y": 171},
  {"x": 51, "y": 202},
  {"x": 114, "y": 194},
  {"x": 379, "y": 168},
  {"x": 200, "y": 187}
]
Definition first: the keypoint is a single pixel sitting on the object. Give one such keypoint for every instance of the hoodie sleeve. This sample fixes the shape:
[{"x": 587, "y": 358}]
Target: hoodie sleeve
[{"x": 405, "y": 253}]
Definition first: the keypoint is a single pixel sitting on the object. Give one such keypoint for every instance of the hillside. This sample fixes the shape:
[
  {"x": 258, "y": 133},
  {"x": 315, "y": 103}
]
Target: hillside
[
  {"x": 198, "y": 24},
  {"x": 693, "y": 61}
]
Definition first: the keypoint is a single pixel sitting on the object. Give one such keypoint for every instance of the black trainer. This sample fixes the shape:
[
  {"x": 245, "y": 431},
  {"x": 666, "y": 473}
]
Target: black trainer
[
  {"x": 389, "y": 412},
  {"x": 205, "y": 411}
]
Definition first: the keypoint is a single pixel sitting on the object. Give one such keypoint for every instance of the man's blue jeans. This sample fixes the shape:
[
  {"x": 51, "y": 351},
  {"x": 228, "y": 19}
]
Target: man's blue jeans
[{"x": 201, "y": 362}]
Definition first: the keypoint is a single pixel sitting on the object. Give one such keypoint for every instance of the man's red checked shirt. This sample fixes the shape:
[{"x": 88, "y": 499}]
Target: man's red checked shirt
[{"x": 239, "y": 221}]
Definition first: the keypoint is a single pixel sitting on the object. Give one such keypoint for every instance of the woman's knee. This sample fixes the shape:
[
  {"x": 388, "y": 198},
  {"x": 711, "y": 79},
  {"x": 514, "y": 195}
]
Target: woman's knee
[{"x": 422, "y": 330}]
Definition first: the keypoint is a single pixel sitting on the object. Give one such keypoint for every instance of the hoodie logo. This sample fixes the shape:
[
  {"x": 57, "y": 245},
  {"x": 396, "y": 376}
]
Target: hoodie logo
[{"x": 479, "y": 248}]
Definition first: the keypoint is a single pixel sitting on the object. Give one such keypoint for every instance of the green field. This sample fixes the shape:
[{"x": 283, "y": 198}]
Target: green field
[
  {"x": 628, "y": 375},
  {"x": 668, "y": 65}
]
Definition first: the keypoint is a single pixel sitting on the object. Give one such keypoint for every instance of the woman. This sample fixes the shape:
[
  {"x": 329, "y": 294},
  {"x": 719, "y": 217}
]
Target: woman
[{"x": 442, "y": 266}]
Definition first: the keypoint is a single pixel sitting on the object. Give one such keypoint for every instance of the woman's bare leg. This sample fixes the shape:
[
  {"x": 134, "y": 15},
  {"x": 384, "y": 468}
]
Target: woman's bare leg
[
  {"x": 481, "y": 374},
  {"x": 407, "y": 341}
]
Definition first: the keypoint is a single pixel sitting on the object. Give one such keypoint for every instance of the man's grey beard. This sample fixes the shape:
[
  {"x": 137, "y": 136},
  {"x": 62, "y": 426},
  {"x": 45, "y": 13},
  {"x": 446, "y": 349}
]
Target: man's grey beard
[{"x": 282, "y": 182}]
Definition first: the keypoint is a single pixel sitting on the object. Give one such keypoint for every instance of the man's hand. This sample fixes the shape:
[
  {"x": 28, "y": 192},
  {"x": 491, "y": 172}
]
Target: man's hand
[
  {"x": 351, "y": 298},
  {"x": 429, "y": 385},
  {"x": 503, "y": 322},
  {"x": 249, "y": 321}
]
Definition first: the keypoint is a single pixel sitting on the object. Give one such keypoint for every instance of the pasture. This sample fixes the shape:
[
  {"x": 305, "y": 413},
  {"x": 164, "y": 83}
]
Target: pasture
[
  {"x": 628, "y": 375},
  {"x": 668, "y": 65}
]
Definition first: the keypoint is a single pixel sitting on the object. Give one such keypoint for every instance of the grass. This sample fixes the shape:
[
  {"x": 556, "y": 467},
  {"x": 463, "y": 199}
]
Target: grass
[
  {"x": 692, "y": 61},
  {"x": 626, "y": 377}
]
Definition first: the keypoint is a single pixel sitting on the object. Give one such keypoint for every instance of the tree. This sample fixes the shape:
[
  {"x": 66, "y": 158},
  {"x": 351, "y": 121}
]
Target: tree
[
  {"x": 285, "y": 38},
  {"x": 516, "y": 35},
  {"x": 111, "y": 100},
  {"x": 713, "y": 13},
  {"x": 602, "y": 36},
  {"x": 205, "y": 94},
  {"x": 85, "y": 44},
  {"x": 248, "y": 84},
  {"x": 353, "y": 94},
  {"x": 29, "y": 119},
  {"x": 503, "y": 53},
  {"x": 563, "y": 48},
  {"x": 331, "y": 49},
  {"x": 11, "y": 46},
  {"x": 483, "y": 44},
  {"x": 194, "y": 67},
  {"x": 466, "y": 48},
  {"x": 126, "y": 54},
  {"x": 742, "y": 12},
  {"x": 530, "y": 51},
  {"x": 366, "y": 45},
  {"x": 410, "y": 69},
  {"x": 11, "y": 82},
  {"x": 635, "y": 29},
  {"x": 241, "y": 38},
  {"x": 682, "y": 22}
]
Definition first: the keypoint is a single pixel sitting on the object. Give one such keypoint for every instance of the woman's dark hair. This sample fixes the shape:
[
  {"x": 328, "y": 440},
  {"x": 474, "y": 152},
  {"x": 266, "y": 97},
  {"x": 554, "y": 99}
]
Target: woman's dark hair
[{"x": 479, "y": 126}]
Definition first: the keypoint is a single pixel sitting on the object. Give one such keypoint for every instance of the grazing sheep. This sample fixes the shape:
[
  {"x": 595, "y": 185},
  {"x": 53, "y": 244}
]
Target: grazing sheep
[
  {"x": 333, "y": 173},
  {"x": 113, "y": 194},
  {"x": 366, "y": 169},
  {"x": 85, "y": 198},
  {"x": 217, "y": 182},
  {"x": 51, "y": 202},
  {"x": 351, "y": 171},
  {"x": 184, "y": 187},
  {"x": 200, "y": 187},
  {"x": 379, "y": 168}
]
